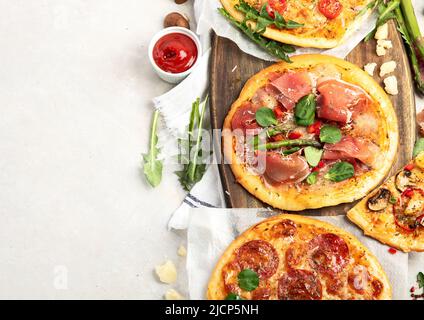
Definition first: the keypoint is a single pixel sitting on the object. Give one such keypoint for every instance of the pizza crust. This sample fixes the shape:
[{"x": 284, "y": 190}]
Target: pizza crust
[
  {"x": 316, "y": 196},
  {"x": 386, "y": 232},
  {"x": 216, "y": 290},
  {"x": 285, "y": 36}
]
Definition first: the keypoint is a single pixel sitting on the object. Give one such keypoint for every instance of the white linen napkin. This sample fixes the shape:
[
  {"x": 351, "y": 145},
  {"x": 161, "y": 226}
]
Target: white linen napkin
[{"x": 211, "y": 231}]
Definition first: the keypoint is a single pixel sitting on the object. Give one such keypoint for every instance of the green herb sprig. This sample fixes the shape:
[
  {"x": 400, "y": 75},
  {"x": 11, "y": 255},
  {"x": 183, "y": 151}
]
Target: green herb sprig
[
  {"x": 263, "y": 19},
  {"x": 194, "y": 168},
  {"x": 153, "y": 167}
]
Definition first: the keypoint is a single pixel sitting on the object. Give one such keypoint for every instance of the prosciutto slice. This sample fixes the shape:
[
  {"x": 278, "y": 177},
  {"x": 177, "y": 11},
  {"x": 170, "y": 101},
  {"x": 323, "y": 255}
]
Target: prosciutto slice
[
  {"x": 286, "y": 169},
  {"x": 338, "y": 99},
  {"x": 244, "y": 119},
  {"x": 291, "y": 87},
  {"x": 352, "y": 148}
]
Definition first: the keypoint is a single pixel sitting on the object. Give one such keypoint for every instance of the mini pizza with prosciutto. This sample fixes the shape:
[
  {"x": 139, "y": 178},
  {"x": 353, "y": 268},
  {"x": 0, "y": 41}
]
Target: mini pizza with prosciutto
[
  {"x": 290, "y": 257},
  {"x": 394, "y": 213},
  {"x": 313, "y": 133},
  {"x": 305, "y": 23}
]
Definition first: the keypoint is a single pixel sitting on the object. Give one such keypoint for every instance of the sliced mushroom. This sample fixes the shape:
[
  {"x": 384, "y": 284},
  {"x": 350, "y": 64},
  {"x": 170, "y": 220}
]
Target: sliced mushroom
[
  {"x": 380, "y": 200},
  {"x": 404, "y": 180}
]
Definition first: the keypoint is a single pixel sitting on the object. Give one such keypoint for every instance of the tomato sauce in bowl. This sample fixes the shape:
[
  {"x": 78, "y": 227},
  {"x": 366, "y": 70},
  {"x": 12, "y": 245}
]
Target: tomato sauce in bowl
[{"x": 175, "y": 53}]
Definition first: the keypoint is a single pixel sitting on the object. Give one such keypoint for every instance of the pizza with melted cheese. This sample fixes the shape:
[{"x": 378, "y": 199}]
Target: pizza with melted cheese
[
  {"x": 290, "y": 257},
  {"x": 309, "y": 134},
  {"x": 394, "y": 213}
]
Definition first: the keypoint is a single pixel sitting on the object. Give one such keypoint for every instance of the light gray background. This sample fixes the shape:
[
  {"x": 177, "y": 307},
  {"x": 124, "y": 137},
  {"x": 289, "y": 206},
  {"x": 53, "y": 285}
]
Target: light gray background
[{"x": 76, "y": 218}]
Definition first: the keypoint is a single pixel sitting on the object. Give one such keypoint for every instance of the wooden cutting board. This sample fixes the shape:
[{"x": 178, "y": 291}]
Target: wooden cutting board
[{"x": 231, "y": 68}]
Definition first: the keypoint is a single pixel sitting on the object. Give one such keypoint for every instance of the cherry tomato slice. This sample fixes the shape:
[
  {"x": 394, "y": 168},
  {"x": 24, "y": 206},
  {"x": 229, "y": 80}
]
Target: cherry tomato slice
[
  {"x": 276, "y": 5},
  {"x": 330, "y": 8}
]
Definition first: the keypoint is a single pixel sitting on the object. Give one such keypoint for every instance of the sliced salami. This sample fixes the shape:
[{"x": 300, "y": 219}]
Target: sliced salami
[
  {"x": 261, "y": 294},
  {"x": 259, "y": 256},
  {"x": 299, "y": 285},
  {"x": 284, "y": 229},
  {"x": 328, "y": 253}
]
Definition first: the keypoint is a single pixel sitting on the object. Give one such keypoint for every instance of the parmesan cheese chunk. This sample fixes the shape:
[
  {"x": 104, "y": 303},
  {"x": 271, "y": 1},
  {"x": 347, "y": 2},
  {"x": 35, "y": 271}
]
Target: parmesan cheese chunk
[
  {"x": 387, "y": 67},
  {"x": 167, "y": 272},
  {"x": 391, "y": 85},
  {"x": 381, "y": 51},
  {"x": 369, "y": 68},
  {"x": 182, "y": 251},
  {"x": 382, "y": 32},
  {"x": 173, "y": 294},
  {"x": 386, "y": 44}
]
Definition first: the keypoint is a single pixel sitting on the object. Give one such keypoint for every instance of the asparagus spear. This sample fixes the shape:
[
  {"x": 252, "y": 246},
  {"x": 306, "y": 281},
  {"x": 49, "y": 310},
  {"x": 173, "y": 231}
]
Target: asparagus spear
[{"x": 288, "y": 143}]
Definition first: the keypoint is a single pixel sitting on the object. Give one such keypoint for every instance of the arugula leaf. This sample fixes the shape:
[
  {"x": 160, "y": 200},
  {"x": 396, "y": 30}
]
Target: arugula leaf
[
  {"x": 152, "y": 166},
  {"x": 276, "y": 49},
  {"x": 193, "y": 169},
  {"x": 420, "y": 280},
  {"x": 248, "y": 280},
  {"x": 330, "y": 134},
  {"x": 313, "y": 156},
  {"x": 233, "y": 296},
  {"x": 305, "y": 110},
  {"x": 419, "y": 147},
  {"x": 265, "y": 117},
  {"x": 312, "y": 178},
  {"x": 340, "y": 172}
]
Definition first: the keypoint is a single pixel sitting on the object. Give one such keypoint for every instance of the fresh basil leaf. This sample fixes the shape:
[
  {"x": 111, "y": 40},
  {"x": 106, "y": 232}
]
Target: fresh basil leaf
[
  {"x": 312, "y": 178},
  {"x": 419, "y": 147},
  {"x": 305, "y": 110},
  {"x": 152, "y": 166},
  {"x": 420, "y": 280},
  {"x": 313, "y": 156},
  {"x": 291, "y": 151},
  {"x": 330, "y": 134},
  {"x": 265, "y": 117},
  {"x": 248, "y": 280},
  {"x": 233, "y": 296},
  {"x": 340, "y": 172}
]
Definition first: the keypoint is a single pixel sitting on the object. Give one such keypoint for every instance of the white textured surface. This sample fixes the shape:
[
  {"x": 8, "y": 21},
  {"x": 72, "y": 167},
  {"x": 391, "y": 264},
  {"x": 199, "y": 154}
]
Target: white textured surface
[{"x": 75, "y": 92}]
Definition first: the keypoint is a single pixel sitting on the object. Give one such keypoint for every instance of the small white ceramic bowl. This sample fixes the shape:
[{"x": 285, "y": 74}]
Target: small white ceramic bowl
[{"x": 168, "y": 76}]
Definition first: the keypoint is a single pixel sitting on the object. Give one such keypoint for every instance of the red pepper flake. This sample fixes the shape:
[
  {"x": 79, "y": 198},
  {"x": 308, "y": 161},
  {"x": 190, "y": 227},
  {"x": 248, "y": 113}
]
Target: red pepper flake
[
  {"x": 392, "y": 251},
  {"x": 314, "y": 128},
  {"x": 412, "y": 290},
  {"x": 279, "y": 113},
  {"x": 409, "y": 167},
  {"x": 321, "y": 164},
  {"x": 315, "y": 169},
  {"x": 408, "y": 193},
  {"x": 294, "y": 135},
  {"x": 278, "y": 137}
]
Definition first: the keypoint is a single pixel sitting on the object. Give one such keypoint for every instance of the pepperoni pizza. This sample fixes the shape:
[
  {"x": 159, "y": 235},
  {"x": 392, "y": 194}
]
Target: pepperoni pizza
[
  {"x": 314, "y": 133},
  {"x": 394, "y": 213},
  {"x": 290, "y": 257},
  {"x": 317, "y": 23}
]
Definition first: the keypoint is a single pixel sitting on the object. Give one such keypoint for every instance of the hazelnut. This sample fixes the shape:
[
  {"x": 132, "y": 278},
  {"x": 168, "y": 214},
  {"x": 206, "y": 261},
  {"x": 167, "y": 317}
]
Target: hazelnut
[{"x": 176, "y": 19}]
